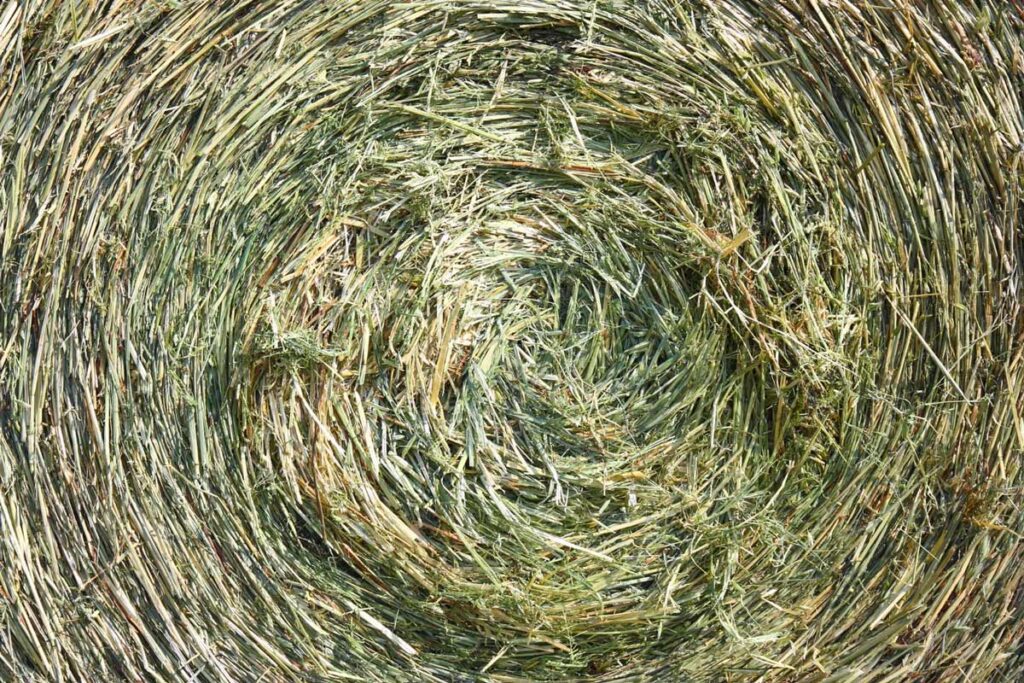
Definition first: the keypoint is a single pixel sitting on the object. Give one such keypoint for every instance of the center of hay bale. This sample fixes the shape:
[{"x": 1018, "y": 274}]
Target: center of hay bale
[{"x": 500, "y": 375}]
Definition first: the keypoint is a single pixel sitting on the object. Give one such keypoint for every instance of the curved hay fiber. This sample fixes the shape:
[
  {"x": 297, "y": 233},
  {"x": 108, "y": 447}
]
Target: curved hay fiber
[{"x": 511, "y": 340}]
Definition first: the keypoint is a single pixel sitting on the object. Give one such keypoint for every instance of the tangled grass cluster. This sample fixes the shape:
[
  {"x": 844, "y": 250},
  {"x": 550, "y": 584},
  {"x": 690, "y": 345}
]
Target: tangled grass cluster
[{"x": 457, "y": 340}]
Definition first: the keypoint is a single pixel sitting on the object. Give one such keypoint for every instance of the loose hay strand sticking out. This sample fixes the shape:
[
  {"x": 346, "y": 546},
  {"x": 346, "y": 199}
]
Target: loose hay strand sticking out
[{"x": 459, "y": 340}]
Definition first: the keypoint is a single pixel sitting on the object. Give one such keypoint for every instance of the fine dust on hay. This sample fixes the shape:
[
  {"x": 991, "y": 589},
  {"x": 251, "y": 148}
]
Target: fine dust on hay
[{"x": 455, "y": 340}]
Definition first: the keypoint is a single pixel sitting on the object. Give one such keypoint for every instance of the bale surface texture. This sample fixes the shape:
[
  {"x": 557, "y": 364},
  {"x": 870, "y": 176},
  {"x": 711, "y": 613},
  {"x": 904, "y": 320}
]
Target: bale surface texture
[{"x": 453, "y": 340}]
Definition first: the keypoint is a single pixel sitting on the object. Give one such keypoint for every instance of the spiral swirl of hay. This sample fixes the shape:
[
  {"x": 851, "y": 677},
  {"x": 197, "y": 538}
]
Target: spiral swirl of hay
[{"x": 456, "y": 340}]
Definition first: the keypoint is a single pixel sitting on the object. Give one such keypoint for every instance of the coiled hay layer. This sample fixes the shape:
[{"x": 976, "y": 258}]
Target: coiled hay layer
[{"x": 459, "y": 340}]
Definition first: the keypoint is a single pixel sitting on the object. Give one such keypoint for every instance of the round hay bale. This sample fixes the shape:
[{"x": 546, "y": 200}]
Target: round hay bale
[{"x": 458, "y": 340}]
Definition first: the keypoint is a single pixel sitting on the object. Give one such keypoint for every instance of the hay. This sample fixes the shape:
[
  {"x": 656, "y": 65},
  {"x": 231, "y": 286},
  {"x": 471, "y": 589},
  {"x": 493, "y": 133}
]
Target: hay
[{"x": 540, "y": 340}]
